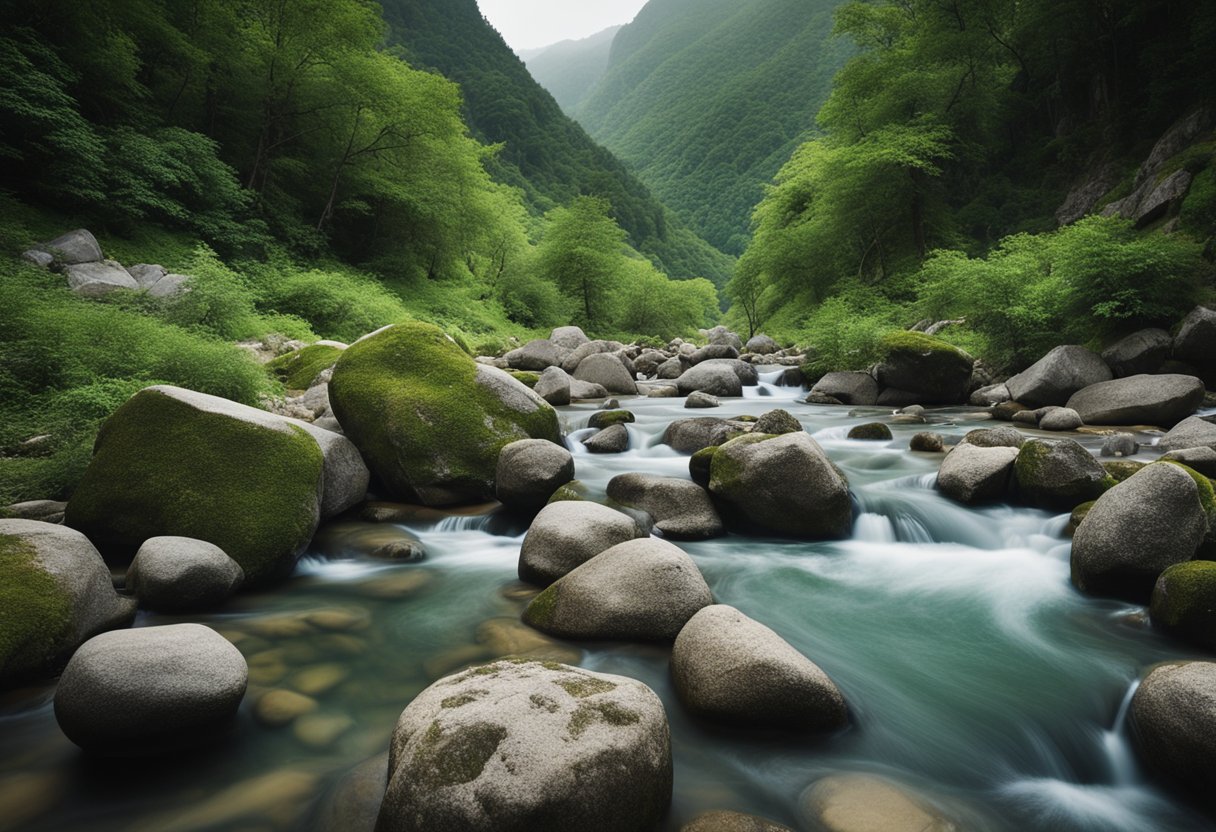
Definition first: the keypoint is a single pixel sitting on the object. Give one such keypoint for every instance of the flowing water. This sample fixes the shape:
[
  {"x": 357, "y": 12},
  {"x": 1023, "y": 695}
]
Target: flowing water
[{"x": 977, "y": 675}]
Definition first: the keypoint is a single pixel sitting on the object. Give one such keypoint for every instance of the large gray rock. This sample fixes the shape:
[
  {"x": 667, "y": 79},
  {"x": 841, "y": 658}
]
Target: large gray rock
[
  {"x": 927, "y": 369},
  {"x": 1002, "y": 437},
  {"x": 55, "y": 592},
  {"x": 1061, "y": 419},
  {"x": 1202, "y": 460},
  {"x": 613, "y": 439},
  {"x": 700, "y": 401},
  {"x": 1196, "y": 339},
  {"x": 1139, "y": 400},
  {"x": 672, "y": 368},
  {"x": 762, "y": 345},
  {"x": 856, "y": 389},
  {"x": 180, "y": 574},
  {"x": 747, "y": 373},
  {"x": 607, "y": 371},
  {"x": 554, "y": 386},
  {"x": 565, "y": 535},
  {"x": 536, "y": 355},
  {"x": 1148, "y": 522},
  {"x": 1173, "y": 717},
  {"x": 584, "y": 390},
  {"x": 345, "y": 476},
  {"x": 865, "y": 803},
  {"x": 713, "y": 351},
  {"x": 170, "y": 286},
  {"x": 1058, "y": 475},
  {"x": 1139, "y": 353},
  {"x": 640, "y": 590},
  {"x": 569, "y": 337},
  {"x": 95, "y": 280},
  {"x": 783, "y": 484},
  {"x": 989, "y": 395},
  {"x": 1057, "y": 375},
  {"x": 714, "y": 379},
  {"x": 691, "y": 435},
  {"x": 682, "y": 510},
  {"x": 730, "y": 668},
  {"x": 570, "y": 362},
  {"x": 648, "y": 363},
  {"x": 777, "y": 422},
  {"x": 1189, "y": 433},
  {"x": 973, "y": 474},
  {"x": 720, "y": 335},
  {"x": 150, "y": 690},
  {"x": 525, "y": 745},
  {"x": 147, "y": 275},
  {"x": 529, "y": 471},
  {"x": 73, "y": 248}
]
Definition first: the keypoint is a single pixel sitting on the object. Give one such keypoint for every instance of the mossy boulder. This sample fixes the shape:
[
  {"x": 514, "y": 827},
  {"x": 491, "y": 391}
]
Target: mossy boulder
[
  {"x": 934, "y": 371},
  {"x": 700, "y": 465},
  {"x": 298, "y": 368},
  {"x": 55, "y": 593},
  {"x": 172, "y": 462},
  {"x": 1184, "y": 602},
  {"x": 524, "y": 377},
  {"x": 1058, "y": 475},
  {"x": 428, "y": 419},
  {"x": 1122, "y": 469},
  {"x": 871, "y": 432},
  {"x": 607, "y": 418},
  {"x": 521, "y": 744}
]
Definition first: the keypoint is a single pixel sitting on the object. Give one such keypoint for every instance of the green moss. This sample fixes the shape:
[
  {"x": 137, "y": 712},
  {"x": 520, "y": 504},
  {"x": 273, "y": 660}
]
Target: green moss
[
  {"x": 917, "y": 342},
  {"x": 570, "y": 492},
  {"x": 1207, "y": 495},
  {"x": 589, "y": 713},
  {"x": 700, "y": 465},
  {"x": 544, "y": 703},
  {"x": 580, "y": 687},
  {"x": 1121, "y": 469},
  {"x": 409, "y": 399},
  {"x": 524, "y": 377},
  {"x": 35, "y": 611},
  {"x": 540, "y": 612},
  {"x": 874, "y": 432},
  {"x": 1184, "y": 602},
  {"x": 1039, "y": 482},
  {"x": 460, "y": 700},
  {"x": 450, "y": 758},
  {"x": 163, "y": 467},
  {"x": 608, "y": 418},
  {"x": 297, "y": 369},
  {"x": 724, "y": 468}
]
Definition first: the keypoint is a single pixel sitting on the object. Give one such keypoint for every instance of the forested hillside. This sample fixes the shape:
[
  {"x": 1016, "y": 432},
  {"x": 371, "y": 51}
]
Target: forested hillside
[
  {"x": 570, "y": 70},
  {"x": 544, "y": 152},
  {"x": 706, "y": 99}
]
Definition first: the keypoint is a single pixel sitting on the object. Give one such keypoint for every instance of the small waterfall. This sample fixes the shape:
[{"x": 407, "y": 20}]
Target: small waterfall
[
  {"x": 473, "y": 523},
  {"x": 1118, "y": 747}
]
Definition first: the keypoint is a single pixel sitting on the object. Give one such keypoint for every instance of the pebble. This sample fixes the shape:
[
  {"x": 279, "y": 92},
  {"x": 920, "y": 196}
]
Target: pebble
[
  {"x": 282, "y": 707},
  {"x": 319, "y": 679},
  {"x": 321, "y": 731}
]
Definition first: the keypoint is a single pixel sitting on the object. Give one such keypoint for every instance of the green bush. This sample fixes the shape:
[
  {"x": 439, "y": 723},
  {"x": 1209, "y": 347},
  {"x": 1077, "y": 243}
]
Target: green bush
[{"x": 846, "y": 332}]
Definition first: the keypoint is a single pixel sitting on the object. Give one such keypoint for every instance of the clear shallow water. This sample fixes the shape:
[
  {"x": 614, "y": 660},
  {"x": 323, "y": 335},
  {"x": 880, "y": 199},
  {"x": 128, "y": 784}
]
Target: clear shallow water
[{"x": 976, "y": 674}]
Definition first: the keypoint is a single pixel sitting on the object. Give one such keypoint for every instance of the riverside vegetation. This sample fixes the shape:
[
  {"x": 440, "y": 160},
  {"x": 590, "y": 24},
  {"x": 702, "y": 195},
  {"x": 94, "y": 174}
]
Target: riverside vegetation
[{"x": 316, "y": 387}]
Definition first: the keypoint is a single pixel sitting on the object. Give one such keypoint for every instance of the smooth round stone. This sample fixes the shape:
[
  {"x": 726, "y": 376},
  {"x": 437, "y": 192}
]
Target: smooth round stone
[
  {"x": 180, "y": 574},
  {"x": 282, "y": 707},
  {"x": 863, "y": 803}
]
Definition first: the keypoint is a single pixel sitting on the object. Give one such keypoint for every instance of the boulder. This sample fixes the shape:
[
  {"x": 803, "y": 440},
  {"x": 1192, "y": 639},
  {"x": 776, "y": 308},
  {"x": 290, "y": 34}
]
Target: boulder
[
  {"x": 94, "y": 280},
  {"x": 762, "y": 345},
  {"x": 777, "y": 423},
  {"x": 537, "y": 355},
  {"x": 1058, "y": 475},
  {"x": 682, "y": 510},
  {"x": 180, "y": 574},
  {"x": 1002, "y": 437},
  {"x": 713, "y": 351},
  {"x": 170, "y": 286},
  {"x": 608, "y": 418},
  {"x": 55, "y": 593},
  {"x": 429, "y": 420},
  {"x": 972, "y": 474},
  {"x": 691, "y": 435},
  {"x": 345, "y": 476},
  {"x": 567, "y": 534},
  {"x": 724, "y": 821},
  {"x": 570, "y": 362},
  {"x": 640, "y": 590},
  {"x": 1195, "y": 342},
  {"x": 172, "y": 462},
  {"x": 993, "y": 394},
  {"x": 529, "y": 471},
  {"x": 929, "y": 369},
  {"x": 1201, "y": 460},
  {"x": 729, "y": 668},
  {"x": 1055, "y": 377},
  {"x": 672, "y": 368},
  {"x": 554, "y": 387},
  {"x": 1183, "y": 604},
  {"x": 41, "y": 259},
  {"x": 569, "y": 337},
  {"x": 1120, "y": 444},
  {"x": 1007, "y": 411},
  {"x": 607, "y": 371},
  {"x": 48, "y": 511},
  {"x": 584, "y": 390},
  {"x": 865, "y": 803},
  {"x": 1061, "y": 419},
  {"x": 1139, "y": 353},
  {"x": 648, "y": 363},
  {"x": 1139, "y": 400},
  {"x": 748, "y": 376},
  {"x": 714, "y": 379},
  {"x": 699, "y": 400},
  {"x": 928, "y": 443},
  {"x": 871, "y": 432},
  {"x": 529, "y": 745},
  {"x": 1173, "y": 719},
  {"x": 147, "y": 275},
  {"x": 720, "y": 335},
  {"x": 791, "y": 377},
  {"x": 73, "y": 248},
  {"x": 857, "y": 389},
  {"x": 300, "y": 369},
  {"x": 613, "y": 439},
  {"x": 151, "y": 690},
  {"x": 1154, "y": 519},
  {"x": 783, "y": 484},
  {"x": 1193, "y": 432}
]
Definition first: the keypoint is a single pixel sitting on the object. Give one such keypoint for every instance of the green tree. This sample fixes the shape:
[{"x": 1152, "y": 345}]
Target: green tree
[{"x": 581, "y": 254}]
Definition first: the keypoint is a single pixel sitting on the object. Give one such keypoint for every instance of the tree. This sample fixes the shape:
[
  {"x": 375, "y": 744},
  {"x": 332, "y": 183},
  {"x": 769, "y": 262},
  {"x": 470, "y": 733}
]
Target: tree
[{"x": 581, "y": 254}]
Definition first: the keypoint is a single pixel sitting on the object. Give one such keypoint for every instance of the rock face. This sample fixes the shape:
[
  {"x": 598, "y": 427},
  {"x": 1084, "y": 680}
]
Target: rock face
[
  {"x": 607, "y": 371},
  {"x": 784, "y": 484},
  {"x": 522, "y": 745},
  {"x": 1058, "y": 475},
  {"x": 172, "y": 462},
  {"x": 863, "y": 803},
  {"x": 55, "y": 593},
  {"x": 1055, "y": 377},
  {"x": 1184, "y": 602},
  {"x": 730, "y": 668},
  {"x": 1173, "y": 716},
  {"x": 856, "y": 389},
  {"x": 1139, "y": 353},
  {"x": 1196, "y": 339},
  {"x": 150, "y": 690},
  {"x": 429, "y": 420},
  {"x": 691, "y": 435},
  {"x": 179, "y": 574},
  {"x": 715, "y": 379},
  {"x": 681, "y": 509},
  {"x": 567, "y": 534},
  {"x": 971, "y": 474},
  {"x": 95, "y": 280},
  {"x": 529, "y": 471},
  {"x": 641, "y": 590},
  {"x": 932, "y": 370},
  {"x": 1139, "y": 400},
  {"x": 1145, "y": 524},
  {"x": 1189, "y": 433}
]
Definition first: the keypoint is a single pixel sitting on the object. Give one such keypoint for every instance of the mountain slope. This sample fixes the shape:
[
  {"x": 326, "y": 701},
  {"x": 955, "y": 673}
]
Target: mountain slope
[
  {"x": 545, "y": 153},
  {"x": 707, "y": 98},
  {"x": 570, "y": 70}
]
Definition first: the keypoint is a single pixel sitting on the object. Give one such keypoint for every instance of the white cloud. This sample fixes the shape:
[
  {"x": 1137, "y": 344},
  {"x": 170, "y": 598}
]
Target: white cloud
[{"x": 528, "y": 24}]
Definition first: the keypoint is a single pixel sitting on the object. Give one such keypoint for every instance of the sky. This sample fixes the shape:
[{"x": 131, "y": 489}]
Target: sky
[{"x": 528, "y": 24}]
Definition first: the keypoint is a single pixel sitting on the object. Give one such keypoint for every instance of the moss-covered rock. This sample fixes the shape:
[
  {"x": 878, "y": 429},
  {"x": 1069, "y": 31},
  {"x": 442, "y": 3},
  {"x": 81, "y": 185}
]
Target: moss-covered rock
[
  {"x": 607, "y": 418},
  {"x": 1058, "y": 475},
  {"x": 170, "y": 462},
  {"x": 55, "y": 593},
  {"x": 700, "y": 465},
  {"x": 1122, "y": 469},
  {"x": 428, "y": 419},
  {"x": 1184, "y": 602},
  {"x": 527, "y": 379},
  {"x": 936, "y": 372},
  {"x": 298, "y": 368},
  {"x": 872, "y": 431}
]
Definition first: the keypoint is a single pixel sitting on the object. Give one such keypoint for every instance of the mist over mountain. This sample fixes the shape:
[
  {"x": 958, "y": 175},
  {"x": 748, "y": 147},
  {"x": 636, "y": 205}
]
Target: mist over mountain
[{"x": 571, "y": 69}]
